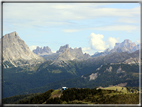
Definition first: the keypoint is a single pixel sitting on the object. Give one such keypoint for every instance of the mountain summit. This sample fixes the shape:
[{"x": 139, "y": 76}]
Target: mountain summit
[
  {"x": 17, "y": 52},
  {"x": 126, "y": 46},
  {"x": 67, "y": 54},
  {"x": 63, "y": 48},
  {"x": 42, "y": 51},
  {"x": 126, "y": 43}
]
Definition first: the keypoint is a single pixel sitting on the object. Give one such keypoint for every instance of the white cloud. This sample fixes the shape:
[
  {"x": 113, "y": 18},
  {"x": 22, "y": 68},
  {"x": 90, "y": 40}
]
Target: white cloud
[
  {"x": 127, "y": 28},
  {"x": 55, "y": 14},
  {"x": 111, "y": 41},
  {"x": 96, "y": 42},
  {"x": 88, "y": 50},
  {"x": 32, "y": 47}
]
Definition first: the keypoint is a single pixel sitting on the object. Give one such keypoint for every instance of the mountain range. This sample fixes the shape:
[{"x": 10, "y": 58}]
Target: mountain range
[
  {"x": 17, "y": 53},
  {"x": 125, "y": 46},
  {"x": 76, "y": 53},
  {"x": 24, "y": 70}
]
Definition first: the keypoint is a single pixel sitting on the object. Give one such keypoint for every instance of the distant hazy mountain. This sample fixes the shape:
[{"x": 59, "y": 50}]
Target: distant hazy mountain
[
  {"x": 42, "y": 51},
  {"x": 17, "y": 53},
  {"x": 127, "y": 43},
  {"x": 125, "y": 46},
  {"x": 106, "y": 52}
]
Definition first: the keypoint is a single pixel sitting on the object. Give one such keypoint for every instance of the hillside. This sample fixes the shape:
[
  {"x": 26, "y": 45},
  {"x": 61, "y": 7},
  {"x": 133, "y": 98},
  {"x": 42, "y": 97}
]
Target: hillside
[
  {"x": 74, "y": 75},
  {"x": 103, "y": 78},
  {"x": 79, "y": 96}
]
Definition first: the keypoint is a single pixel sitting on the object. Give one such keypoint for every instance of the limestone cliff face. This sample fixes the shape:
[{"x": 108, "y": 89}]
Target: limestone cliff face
[
  {"x": 78, "y": 54},
  {"x": 63, "y": 48},
  {"x": 42, "y": 51},
  {"x": 15, "y": 49},
  {"x": 63, "y": 58},
  {"x": 67, "y": 54}
]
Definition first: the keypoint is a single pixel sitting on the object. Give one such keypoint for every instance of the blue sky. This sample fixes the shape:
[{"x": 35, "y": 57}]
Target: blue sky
[{"x": 91, "y": 26}]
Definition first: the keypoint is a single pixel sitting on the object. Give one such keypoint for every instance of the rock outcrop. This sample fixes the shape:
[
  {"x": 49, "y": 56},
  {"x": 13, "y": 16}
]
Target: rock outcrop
[{"x": 17, "y": 52}]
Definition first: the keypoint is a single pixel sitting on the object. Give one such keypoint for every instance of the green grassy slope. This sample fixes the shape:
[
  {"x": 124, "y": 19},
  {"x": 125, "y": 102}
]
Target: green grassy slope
[
  {"x": 81, "y": 96},
  {"x": 118, "y": 88}
]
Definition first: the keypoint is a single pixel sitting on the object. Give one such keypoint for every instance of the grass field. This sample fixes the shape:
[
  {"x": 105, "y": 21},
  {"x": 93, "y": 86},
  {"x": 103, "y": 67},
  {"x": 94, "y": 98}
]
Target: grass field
[
  {"x": 117, "y": 88},
  {"x": 56, "y": 93}
]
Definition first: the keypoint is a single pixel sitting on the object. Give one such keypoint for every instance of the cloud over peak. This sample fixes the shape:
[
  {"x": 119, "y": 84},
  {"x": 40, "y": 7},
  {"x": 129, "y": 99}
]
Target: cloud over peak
[
  {"x": 111, "y": 41},
  {"x": 32, "y": 47},
  {"x": 96, "y": 42}
]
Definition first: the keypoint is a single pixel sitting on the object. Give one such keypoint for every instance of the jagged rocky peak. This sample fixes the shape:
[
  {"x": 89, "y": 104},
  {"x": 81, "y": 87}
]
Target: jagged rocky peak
[
  {"x": 126, "y": 43},
  {"x": 37, "y": 50},
  {"x": 11, "y": 35},
  {"x": 10, "y": 39},
  {"x": 67, "y": 54},
  {"x": 14, "y": 49},
  {"x": 63, "y": 48},
  {"x": 46, "y": 49},
  {"x": 129, "y": 44},
  {"x": 42, "y": 51},
  {"x": 63, "y": 58},
  {"x": 78, "y": 54},
  {"x": 76, "y": 50}
]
